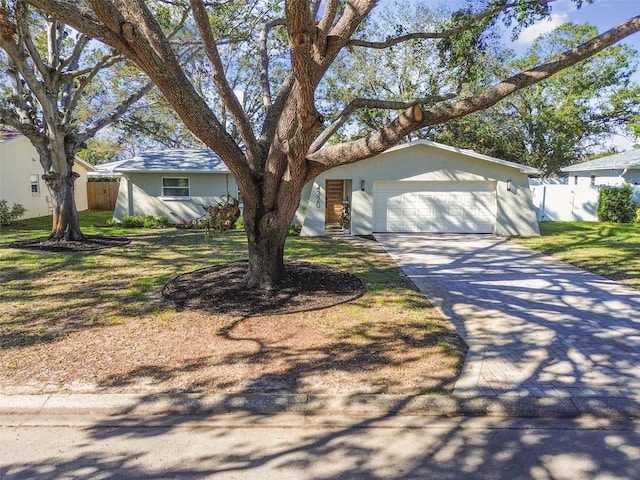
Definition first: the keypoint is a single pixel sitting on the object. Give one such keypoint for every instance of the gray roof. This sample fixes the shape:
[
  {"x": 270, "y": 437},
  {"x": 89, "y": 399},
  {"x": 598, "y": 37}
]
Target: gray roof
[
  {"x": 470, "y": 153},
  {"x": 628, "y": 159},
  {"x": 174, "y": 161}
]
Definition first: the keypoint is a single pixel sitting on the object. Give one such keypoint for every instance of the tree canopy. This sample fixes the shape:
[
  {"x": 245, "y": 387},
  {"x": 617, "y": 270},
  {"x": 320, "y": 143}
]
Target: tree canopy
[{"x": 565, "y": 118}]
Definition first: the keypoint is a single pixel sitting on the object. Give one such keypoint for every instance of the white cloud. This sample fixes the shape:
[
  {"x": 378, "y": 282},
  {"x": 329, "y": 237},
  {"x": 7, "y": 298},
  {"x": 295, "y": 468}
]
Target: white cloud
[{"x": 529, "y": 34}]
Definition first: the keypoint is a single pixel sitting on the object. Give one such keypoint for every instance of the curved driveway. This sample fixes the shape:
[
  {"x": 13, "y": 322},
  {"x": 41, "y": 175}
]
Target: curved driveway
[{"x": 535, "y": 326}]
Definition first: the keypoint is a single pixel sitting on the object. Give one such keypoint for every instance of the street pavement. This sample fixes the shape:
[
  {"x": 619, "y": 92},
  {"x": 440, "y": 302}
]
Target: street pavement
[{"x": 286, "y": 446}]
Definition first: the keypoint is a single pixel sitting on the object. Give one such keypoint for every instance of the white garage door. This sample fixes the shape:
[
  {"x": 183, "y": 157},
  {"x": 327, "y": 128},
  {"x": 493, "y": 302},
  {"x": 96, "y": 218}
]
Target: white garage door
[{"x": 446, "y": 207}]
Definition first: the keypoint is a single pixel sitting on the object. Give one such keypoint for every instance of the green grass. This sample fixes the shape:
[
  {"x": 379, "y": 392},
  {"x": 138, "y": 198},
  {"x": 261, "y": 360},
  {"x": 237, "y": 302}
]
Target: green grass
[
  {"x": 608, "y": 249},
  {"x": 91, "y": 223}
]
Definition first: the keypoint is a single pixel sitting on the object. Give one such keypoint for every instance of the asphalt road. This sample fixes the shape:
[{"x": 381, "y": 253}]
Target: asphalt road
[{"x": 294, "y": 446}]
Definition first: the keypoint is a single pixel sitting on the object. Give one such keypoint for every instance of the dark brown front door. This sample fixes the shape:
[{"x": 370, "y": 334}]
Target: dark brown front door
[{"x": 335, "y": 195}]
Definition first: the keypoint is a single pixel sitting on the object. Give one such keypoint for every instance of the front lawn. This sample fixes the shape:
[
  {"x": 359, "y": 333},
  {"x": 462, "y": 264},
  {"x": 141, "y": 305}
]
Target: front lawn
[
  {"x": 608, "y": 249},
  {"x": 95, "y": 322}
]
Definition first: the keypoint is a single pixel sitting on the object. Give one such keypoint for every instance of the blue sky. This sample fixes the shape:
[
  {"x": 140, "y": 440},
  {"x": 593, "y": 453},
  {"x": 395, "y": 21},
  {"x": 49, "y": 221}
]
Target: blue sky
[{"x": 604, "y": 14}]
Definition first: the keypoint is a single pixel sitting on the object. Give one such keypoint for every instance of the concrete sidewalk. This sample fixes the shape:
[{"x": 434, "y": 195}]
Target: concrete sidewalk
[
  {"x": 535, "y": 327},
  {"x": 245, "y": 408}
]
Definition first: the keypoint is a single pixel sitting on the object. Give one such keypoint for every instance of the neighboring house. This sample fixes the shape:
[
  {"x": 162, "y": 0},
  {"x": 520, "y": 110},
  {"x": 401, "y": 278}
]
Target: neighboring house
[
  {"x": 21, "y": 176},
  {"x": 172, "y": 183},
  {"x": 423, "y": 186},
  {"x": 614, "y": 169},
  {"x": 577, "y": 200}
]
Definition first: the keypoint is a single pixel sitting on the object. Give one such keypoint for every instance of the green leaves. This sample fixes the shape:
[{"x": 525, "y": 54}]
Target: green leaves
[
  {"x": 556, "y": 122},
  {"x": 615, "y": 204}
]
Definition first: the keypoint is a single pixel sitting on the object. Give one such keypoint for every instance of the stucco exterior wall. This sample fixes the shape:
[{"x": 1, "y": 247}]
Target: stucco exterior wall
[
  {"x": 141, "y": 194},
  {"x": 18, "y": 162},
  {"x": 515, "y": 214},
  {"x": 615, "y": 177}
]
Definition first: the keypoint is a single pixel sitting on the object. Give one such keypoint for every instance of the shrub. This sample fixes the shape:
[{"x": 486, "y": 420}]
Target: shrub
[
  {"x": 224, "y": 214},
  {"x": 8, "y": 215},
  {"x": 147, "y": 221},
  {"x": 615, "y": 204},
  {"x": 295, "y": 229},
  {"x": 132, "y": 221},
  {"x": 638, "y": 215}
]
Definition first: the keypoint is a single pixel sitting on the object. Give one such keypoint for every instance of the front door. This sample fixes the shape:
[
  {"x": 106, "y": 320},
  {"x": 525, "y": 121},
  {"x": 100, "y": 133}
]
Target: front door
[{"x": 335, "y": 196}]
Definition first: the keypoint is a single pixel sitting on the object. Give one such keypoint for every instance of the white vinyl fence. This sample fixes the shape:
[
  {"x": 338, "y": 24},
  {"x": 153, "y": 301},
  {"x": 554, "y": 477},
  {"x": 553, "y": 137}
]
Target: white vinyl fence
[{"x": 567, "y": 203}]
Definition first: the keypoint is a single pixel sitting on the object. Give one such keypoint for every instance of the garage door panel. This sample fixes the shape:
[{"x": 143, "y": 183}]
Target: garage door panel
[{"x": 460, "y": 207}]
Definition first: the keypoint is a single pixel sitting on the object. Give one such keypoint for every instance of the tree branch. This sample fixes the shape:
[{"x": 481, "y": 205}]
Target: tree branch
[
  {"x": 81, "y": 43},
  {"x": 264, "y": 60},
  {"x": 24, "y": 38},
  {"x": 359, "y": 103},
  {"x": 274, "y": 113},
  {"x": 390, "y": 42},
  {"x": 411, "y": 120},
  {"x": 90, "y": 130},
  {"x": 83, "y": 78},
  {"x": 328, "y": 17},
  {"x": 226, "y": 93},
  {"x": 300, "y": 27}
]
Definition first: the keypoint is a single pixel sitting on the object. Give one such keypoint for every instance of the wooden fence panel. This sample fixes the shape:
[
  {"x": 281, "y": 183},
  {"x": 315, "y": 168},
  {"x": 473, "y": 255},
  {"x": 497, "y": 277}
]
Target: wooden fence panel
[{"x": 102, "y": 195}]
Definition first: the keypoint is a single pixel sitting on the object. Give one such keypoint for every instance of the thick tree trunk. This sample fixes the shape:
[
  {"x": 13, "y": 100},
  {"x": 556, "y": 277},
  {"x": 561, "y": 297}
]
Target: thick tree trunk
[
  {"x": 266, "y": 237},
  {"x": 266, "y": 259},
  {"x": 65, "y": 225}
]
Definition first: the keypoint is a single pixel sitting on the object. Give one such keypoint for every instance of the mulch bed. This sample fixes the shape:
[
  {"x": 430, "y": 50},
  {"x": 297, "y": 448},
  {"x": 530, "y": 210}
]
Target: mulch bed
[
  {"x": 220, "y": 290},
  {"x": 90, "y": 243}
]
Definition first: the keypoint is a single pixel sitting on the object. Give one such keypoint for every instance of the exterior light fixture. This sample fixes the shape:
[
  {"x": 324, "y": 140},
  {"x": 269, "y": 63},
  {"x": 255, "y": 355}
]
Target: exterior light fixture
[
  {"x": 508, "y": 185},
  {"x": 362, "y": 185}
]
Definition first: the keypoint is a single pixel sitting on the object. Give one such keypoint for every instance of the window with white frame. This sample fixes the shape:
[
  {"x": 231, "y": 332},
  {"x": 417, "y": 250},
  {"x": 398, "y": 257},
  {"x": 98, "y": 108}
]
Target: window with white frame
[
  {"x": 35, "y": 184},
  {"x": 176, "y": 187}
]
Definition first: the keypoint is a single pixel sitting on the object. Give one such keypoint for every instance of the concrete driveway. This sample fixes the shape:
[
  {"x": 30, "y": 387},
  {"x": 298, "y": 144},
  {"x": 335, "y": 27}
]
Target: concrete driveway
[{"x": 535, "y": 327}]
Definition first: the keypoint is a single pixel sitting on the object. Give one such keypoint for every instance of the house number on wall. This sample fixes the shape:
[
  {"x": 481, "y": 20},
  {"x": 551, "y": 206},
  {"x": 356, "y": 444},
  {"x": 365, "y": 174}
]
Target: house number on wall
[{"x": 318, "y": 197}]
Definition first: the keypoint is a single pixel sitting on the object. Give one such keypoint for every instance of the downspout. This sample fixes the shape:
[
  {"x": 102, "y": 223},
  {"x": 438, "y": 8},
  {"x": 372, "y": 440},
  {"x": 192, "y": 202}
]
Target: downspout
[{"x": 129, "y": 195}]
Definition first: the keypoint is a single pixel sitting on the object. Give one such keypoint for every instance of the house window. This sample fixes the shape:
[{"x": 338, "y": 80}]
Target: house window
[
  {"x": 35, "y": 184},
  {"x": 175, "y": 187},
  {"x": 593, "y": 180}
]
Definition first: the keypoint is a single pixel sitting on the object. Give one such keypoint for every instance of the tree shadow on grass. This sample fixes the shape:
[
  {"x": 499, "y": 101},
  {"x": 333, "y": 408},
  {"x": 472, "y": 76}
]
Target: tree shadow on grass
[{"x": 362, "y": 447}]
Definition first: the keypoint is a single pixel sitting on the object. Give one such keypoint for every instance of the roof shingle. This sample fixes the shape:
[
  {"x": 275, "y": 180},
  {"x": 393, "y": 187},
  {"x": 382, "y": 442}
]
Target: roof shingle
[
  {"x": 174, "y": 160},
  {"x": 628, "y": 159}
]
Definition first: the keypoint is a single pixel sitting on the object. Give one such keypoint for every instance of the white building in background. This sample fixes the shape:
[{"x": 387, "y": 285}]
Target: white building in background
[{"x": 21, "y": 177}]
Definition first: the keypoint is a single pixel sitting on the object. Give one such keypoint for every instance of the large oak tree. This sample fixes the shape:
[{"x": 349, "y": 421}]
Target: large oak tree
[{"x": 287, "y": 144}]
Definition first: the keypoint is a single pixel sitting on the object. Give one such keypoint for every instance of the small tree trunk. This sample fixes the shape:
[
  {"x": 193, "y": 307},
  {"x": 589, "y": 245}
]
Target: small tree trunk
[{"x": 66, "y": 224}]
